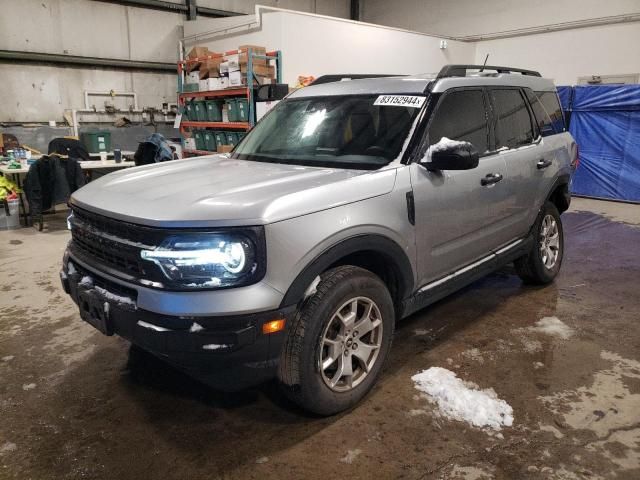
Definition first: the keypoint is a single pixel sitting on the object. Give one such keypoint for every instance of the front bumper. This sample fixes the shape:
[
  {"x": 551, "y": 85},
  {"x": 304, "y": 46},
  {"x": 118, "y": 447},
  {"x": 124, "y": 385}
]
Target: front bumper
[{"x": 228, "y": 352}]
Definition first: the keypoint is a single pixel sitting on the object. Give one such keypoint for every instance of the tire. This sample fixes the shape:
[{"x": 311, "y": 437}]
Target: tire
[
  {"x": 541, "y": 265},
  {"x": 319, "y": 335}
]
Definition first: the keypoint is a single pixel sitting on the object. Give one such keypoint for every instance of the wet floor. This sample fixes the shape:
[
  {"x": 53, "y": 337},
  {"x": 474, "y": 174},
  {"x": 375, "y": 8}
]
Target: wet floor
[{"x": 76, "y": 404}]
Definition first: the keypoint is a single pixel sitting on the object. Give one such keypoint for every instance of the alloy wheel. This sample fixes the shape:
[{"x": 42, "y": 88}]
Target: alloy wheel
[
  {"x": 350, "y": 344},
  {"x": 549, "y": 242}
]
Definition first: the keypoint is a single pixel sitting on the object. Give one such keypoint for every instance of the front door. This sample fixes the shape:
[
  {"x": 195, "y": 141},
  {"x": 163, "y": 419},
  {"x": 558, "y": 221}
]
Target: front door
[{"x": 459, "y": 214}]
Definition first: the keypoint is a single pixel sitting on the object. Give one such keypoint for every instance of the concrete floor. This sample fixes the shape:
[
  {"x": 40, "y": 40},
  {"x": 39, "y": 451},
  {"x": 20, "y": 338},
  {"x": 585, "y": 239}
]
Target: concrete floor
[{"x": 73, "y": 404}]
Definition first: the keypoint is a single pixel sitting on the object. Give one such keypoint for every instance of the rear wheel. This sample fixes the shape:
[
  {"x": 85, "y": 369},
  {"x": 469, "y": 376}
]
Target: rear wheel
[
  {"x": 338, "y": 341},
  {"x": 542, "y": 263}
]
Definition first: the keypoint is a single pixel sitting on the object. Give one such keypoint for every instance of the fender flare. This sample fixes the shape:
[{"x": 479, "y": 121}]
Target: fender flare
[
  {"x": 562, "y": 181},
  {"x": 379, "y": 244}
]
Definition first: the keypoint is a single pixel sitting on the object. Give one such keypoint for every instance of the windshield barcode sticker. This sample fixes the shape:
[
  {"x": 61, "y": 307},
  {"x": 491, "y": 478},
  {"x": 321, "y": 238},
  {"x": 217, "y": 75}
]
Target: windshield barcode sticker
[{"x": 400, "y": 101}]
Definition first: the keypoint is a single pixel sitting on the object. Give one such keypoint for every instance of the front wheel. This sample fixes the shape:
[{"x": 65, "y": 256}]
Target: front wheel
[
  {"x": 542, "y": 263},
  {"x": 338, "y": 341}
]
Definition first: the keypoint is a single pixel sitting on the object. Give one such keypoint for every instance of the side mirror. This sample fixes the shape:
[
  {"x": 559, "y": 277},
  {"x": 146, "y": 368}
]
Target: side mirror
[{"x": 450, "y": 155}]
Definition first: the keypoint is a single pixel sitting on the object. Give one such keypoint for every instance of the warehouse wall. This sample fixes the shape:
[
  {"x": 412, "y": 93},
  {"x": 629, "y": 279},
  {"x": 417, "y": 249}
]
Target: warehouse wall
[
  {"x": 567, "y": 55},
  {"x": 313, "y": 45},
  {"x": 564, "y": 56},
  {"x": 38, "y": 93}
]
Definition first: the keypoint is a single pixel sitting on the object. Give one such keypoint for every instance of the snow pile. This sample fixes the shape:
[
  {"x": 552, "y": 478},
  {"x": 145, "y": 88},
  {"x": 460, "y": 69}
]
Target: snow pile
[
  {"x": 351, "y": 456},
  {"x": 444, "y": 144},
  {"x": 463, "y": 401},
  {"x": 552, "y": 326},
  {"x": 214, "y": 346},
  {"x": 196, "y": 327},
  {"x": 86, "y": 281}
]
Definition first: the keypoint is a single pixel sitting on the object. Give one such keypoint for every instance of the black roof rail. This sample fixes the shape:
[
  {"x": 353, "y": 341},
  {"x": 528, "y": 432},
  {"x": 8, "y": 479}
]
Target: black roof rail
[
  {"x": 461, "y": 70},
  {"x": 349, "y": 76}
]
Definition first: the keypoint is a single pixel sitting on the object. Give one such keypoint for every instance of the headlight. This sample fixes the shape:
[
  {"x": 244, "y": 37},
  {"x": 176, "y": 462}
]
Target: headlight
[{"x": 209, "y": 260}]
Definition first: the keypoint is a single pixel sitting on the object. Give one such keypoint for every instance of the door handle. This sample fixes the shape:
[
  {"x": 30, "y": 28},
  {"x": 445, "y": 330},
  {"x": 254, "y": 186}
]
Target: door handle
[
  {"x": 490, "y": 179},
  {"x": 543, "y": 163}
]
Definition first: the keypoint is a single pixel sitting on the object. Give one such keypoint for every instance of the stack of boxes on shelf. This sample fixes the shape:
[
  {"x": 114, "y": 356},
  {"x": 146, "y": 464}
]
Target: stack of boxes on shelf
[
  {"x": 226, "y": 71},
  {"x": 212, "y": 73}
]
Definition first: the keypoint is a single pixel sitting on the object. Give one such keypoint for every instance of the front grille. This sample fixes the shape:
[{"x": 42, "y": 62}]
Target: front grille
[{"x": 112, "y": 243}]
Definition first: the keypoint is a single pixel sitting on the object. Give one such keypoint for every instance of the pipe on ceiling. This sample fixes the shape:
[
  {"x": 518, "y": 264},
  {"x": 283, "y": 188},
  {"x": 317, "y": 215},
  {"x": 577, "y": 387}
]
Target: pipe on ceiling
[
  {"x": 173, "y": 7},
  {"x": 76, "y": 61}
]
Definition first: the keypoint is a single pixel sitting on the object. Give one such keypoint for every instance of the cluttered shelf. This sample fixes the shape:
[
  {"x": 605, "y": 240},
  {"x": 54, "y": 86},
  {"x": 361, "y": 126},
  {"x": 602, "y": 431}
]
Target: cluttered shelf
[
  {"x": 229, "y": 92},
  {"x": 207, "y": 124}
]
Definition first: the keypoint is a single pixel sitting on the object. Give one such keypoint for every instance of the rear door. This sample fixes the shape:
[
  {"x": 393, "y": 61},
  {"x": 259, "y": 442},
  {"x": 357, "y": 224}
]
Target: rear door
[
  {"x": 518, "y": 142},
  {"x": 458, "y": 219}
]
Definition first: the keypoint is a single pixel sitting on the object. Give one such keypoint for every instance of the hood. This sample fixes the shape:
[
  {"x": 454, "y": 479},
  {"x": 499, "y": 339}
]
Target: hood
[{"x": 219, "y": 191}]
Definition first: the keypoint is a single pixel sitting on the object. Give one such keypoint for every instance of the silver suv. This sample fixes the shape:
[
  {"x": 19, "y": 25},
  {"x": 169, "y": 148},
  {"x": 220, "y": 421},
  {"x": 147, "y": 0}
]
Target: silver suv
[{"x": 348, "y": 207}]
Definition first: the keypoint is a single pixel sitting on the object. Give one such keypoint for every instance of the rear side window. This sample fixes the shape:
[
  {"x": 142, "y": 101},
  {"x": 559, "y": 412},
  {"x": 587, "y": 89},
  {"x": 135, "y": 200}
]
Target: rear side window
[
  {"x": 461, "y": 115},
  {"x": 552, "y": 106},
  {"x": 543, "y": 120},
  {"x": 513, "y": 125}
]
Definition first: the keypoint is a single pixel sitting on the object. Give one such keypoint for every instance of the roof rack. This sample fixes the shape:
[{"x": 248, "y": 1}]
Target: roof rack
[
  {"x": 461, "y": 70},
  {"x": 349, "y": 76}
]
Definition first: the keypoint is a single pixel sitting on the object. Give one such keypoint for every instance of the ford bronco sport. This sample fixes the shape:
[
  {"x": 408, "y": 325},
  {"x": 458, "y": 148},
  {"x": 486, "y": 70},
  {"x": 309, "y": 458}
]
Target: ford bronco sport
[{"x": 348, "y": 207}]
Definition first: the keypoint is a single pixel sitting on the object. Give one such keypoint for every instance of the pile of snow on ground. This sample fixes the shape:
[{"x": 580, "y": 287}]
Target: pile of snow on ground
[
  {"x": 463, "y": 401},
  {"x": 553, "y": 326}
]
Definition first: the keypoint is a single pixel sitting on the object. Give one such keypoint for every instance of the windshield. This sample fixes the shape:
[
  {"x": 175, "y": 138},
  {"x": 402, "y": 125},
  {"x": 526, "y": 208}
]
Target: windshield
[{"x": 342, "y": 131}]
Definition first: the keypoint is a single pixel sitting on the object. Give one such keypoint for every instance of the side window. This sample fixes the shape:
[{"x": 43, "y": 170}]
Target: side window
[
  {"x": 545, "y": 125},
  {"x": 461, "y": 115},
  {"x": 513, "y": 126},
  {"x": 552, "y": 106}
]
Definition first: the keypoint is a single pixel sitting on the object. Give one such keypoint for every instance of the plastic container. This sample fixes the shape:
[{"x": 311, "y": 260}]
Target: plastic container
[
  {"x": 11, "y": 221},
  {"x": 221, "y": 138},
  {"x": 96, "y": 141},
  {"x": 200, "y": 110},
  {"x": 232, "y": 138},
  {"x": 214, "y": 110},
  {"x": 232, "y": 109},
  {"x": 242, "y": 108},
  {"x": 189, "y": 113},
  {"x": 210, "y": 141},
  {"x": 199, "y": 136}
]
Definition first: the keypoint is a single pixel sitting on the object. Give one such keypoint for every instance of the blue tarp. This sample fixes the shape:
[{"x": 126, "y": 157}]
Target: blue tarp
[{"x": 605, "y": 121}]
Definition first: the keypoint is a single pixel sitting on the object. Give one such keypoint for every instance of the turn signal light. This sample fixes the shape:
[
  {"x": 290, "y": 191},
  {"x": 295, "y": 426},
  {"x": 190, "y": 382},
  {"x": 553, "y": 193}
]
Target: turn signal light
[{"x": 273, "y": 326}]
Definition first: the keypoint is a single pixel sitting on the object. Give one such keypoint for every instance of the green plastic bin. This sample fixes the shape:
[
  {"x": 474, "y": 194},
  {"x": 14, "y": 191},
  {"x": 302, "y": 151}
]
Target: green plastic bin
[
  {"x": 200, "y": 110},
  {"x": 221, "y": 138},
  {"x": 238, "y": 109},
  {"x": 232, "y": 138},
  {"x": 241, "y": 135},
  {"x": 242, "y": 107},
  {"x": 210, "y": 141},
  {"x": 214, "y": 110},
  {"x": 200, "y": 143},
  {"x": 232, "y": 109},
  {"x": 96, "y": 141},
  {"x": 189, "y": 111}
]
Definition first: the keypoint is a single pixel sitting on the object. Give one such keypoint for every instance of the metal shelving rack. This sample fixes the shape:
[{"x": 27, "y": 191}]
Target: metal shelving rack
[{"x": 244, "y": 92}]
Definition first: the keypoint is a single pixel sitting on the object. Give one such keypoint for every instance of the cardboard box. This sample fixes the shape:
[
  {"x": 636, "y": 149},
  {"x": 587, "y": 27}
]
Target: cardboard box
[
  {"x": 196, "y": 52},
  {"x": 236, "y": 79},
  {"x": 261, "y": 70},
  {"x": 192, "y": 77},
  {"x": 239, "y": 79},
  {"x": 214, "y": 84},
  {"x": 225, "y": 148},
  {"x": 190, "y": 143},
  {"x": 210, "y": 68}
]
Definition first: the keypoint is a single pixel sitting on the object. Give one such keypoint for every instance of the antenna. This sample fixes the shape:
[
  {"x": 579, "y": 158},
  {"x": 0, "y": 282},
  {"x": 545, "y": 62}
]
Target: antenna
[{"x": 485, "y": 62}]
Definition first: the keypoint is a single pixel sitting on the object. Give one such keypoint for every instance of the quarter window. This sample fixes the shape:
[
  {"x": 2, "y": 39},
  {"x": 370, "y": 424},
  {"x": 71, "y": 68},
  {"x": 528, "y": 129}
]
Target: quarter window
[
  {"x": 552, "y": 106},
  {"x": 513, "y": 126},
  {"x": 545, "y": 125},
  {"x": 461, "y": 115}
]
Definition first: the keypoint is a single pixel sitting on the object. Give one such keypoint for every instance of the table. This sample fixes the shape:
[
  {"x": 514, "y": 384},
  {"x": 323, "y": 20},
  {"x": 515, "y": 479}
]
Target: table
[{"x": 87, "y": 166}]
